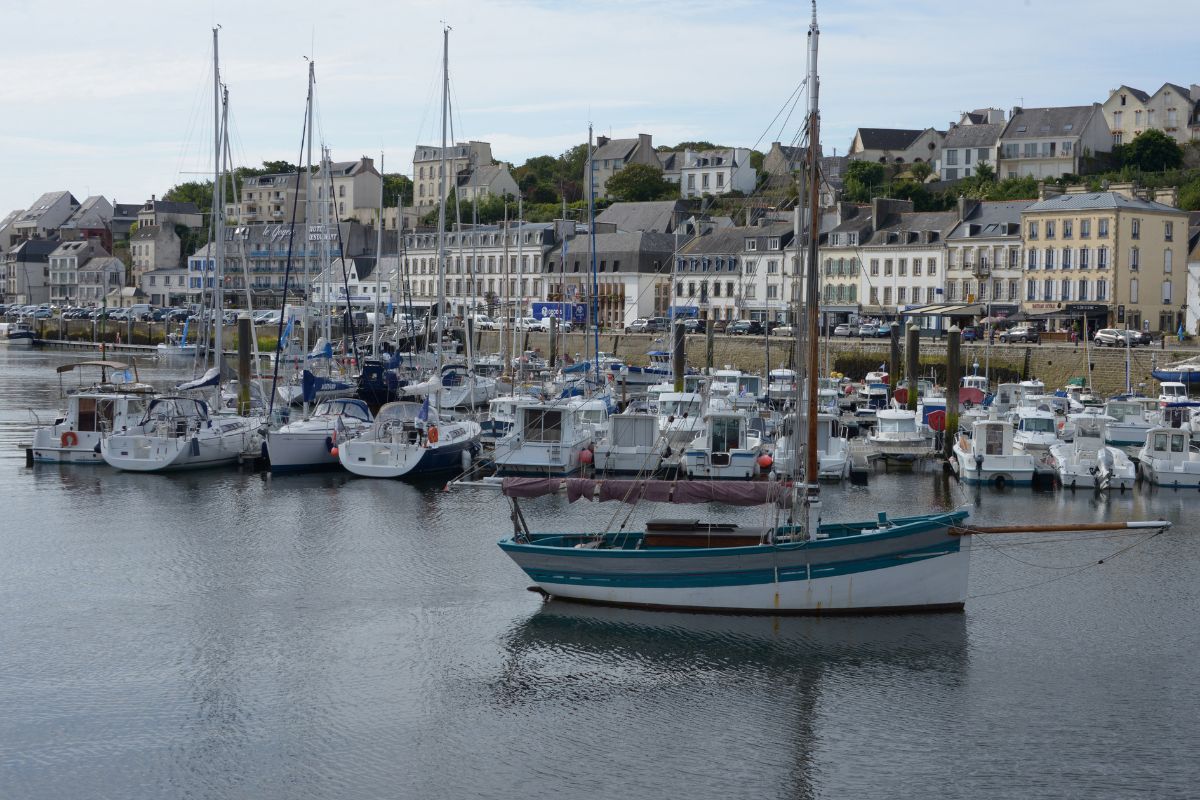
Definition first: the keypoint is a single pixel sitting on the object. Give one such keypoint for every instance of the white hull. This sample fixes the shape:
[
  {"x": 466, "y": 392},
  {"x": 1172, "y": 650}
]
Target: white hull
[
  {"x": 177, "y": 350},
  {"x": 222, "y": 444},
  {"x": 371, "y": 458},
  {"x": 300, "y": 450},
  {"x": 933, "y": 582},
  {"x": 631, "y": 460},
  {"x": 57, "y": 454},
  {"x": 1162, "y": 474}
]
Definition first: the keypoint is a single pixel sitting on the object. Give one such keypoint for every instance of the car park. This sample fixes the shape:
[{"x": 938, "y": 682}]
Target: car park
[
  {"x": 1112, "y": 337},
  {"x": 1023, "y": 334}
]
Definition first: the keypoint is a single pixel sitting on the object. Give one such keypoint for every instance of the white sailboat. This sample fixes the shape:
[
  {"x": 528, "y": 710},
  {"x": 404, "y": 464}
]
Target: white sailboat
[
  {"x": 312, "y": 443},
  {"x": 410, "y": 440}
]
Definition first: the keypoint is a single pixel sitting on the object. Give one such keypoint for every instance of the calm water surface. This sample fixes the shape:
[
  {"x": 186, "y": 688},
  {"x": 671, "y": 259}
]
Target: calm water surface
[{"x": 223, "y": 634}]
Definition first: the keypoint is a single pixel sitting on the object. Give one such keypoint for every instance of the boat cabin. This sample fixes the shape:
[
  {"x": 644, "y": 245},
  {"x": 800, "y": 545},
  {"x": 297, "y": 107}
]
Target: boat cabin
[{"x": 1172, "y": 392}]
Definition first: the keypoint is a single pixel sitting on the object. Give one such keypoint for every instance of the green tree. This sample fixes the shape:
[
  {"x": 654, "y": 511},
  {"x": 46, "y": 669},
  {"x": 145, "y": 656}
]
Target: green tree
[
  {"x": 397, "y": 188},
  {"x": 198, "y": 192},
  {"x": 1153, "y": 151},
  {"x": 920, "y": 171},
  {"x": 1189, "y": 196},
  {"x": 863, "y": 180},
  {"x": 756, "y": 160},
  {"x": 985, "y": 173},
  {"x": 700, "y": 145},
  {"x": 638, "y": 182}
]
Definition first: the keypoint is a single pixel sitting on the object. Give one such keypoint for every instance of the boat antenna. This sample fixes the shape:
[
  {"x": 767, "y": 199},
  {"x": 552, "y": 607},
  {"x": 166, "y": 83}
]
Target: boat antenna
[{"x": 812, "y": 501}]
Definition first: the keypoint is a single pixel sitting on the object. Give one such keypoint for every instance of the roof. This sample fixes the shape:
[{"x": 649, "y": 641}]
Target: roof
[
  {"x": 631, "y": 244},
  {"x": 657, "y": 215},
  {"x": 170, "y": 207},
  {"x": 887, "y": 138},
  {"x": 1138, "y": 93},
  {"x": 982, "y": 135},
  {"x": 345, "y": 169},
  {"x": 90, "y": 213},
  {"x": 991, "y": 217},
  {"x": 856, "y": 223},
  {"x": 11, "y": 218},
  {"x": 482, "y": 176},
  {"x": 1092, "y": 201},
  {"x": 733, "y": 240},
  {"x": 614, "y": 148},
  {"x": 1039, "y": 123},
  {"x": 151, "y": 232},
  {"x": 126, "y": 209},
  {"x": 939, "y": 222},
  {"x": 1179, "y": 90},
  {"x": 43, "y": 204},
  {"x": 34, "y": 250},
  {"x": 718, "y": 157}
]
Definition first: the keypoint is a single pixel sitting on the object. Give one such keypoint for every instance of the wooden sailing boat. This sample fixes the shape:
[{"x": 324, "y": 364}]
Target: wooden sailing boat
[{"x": 796, "y": 565}]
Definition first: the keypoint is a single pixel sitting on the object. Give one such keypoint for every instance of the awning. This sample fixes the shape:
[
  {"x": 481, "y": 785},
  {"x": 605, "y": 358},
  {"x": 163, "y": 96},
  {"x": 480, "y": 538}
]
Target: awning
[{"x": 947, "y": 310}]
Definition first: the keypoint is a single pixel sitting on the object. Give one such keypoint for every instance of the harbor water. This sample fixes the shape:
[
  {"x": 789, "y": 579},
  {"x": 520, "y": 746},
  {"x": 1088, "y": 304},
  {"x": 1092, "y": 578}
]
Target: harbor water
[{"x": 227, "y": 634}]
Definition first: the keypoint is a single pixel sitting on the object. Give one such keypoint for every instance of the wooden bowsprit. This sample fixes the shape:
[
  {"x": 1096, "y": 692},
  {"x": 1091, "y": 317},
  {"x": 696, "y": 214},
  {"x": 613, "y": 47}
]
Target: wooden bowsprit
[{"x": 1064, "y": 527}]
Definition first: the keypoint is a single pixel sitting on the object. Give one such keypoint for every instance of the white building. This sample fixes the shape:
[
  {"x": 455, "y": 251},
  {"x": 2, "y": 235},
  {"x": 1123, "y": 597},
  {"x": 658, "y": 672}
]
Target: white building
[
  {"x": 736, "y": 273},
  {"x": 904, "y": 263},
  {"x": 353, "y": 278},
  {"x": 1048, "y": 143},
  {"x": 42, "y": 219},
  {"x": 352, "y": 188},
  {"x": 427, "y": 169},
  {"x": 491, "y": 180},
  {"x": 66, "y": 263},
  {"x": 984, "y": 260},
  {"x": 1173, "y": 110},
  {"x": 716, "y": 172}
]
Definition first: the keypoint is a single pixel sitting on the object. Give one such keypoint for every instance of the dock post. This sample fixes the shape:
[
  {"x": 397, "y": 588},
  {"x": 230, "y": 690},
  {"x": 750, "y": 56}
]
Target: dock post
[
  {"x": 245, "y": 330},
  {"x": 553, "y": 344},
  {"x": 678, "y": 353},
  {"x": 708, "y": 345},
  {"x": 894, "y": 357},
  {"x": 912, "y": 359},
  {"x": 953, "y": 379}
]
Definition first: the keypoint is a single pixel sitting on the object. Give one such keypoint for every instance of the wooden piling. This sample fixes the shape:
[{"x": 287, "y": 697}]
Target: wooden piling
[{"x": 953, "y": 379}]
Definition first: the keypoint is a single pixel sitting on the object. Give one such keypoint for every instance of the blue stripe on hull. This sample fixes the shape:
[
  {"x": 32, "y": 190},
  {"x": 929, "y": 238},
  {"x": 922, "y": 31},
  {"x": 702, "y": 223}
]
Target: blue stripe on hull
[{"x": 441, "y": 459}]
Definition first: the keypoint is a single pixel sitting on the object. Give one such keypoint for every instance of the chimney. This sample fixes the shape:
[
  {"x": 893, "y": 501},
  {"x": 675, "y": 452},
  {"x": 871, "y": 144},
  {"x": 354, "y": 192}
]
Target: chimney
[
  {"x": 1015, "y": 110},
  {"x": 1168, "y": 196},
  {"x": 966, "y": 207},
  {"x": 601, "y": 141},
  {"x": 1046, "y": 192}
]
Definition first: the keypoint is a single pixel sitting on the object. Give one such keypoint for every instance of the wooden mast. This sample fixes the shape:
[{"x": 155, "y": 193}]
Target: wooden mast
[{"x": 812, "y": 502}]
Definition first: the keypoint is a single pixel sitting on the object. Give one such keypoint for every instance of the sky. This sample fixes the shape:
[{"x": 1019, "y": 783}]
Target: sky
[{"x": 119, "y": 102}]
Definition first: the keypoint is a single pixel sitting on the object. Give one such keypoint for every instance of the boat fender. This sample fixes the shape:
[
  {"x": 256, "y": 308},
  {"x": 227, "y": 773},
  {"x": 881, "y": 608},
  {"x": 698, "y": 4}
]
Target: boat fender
[
  {"x": 433, "y": 434},
  {"x": 195, "y": 446},
  {"x": 466, "y": 460},
  {"x": 1000, "y": 481},
  {"x": 329, "y": 443},
  {"x": 70, "y": 439}
]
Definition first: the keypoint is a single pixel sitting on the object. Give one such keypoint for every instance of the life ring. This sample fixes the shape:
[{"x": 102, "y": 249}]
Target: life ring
[
  {"x": 433, "y": 434},
  {"x": 69, "y": 439}
]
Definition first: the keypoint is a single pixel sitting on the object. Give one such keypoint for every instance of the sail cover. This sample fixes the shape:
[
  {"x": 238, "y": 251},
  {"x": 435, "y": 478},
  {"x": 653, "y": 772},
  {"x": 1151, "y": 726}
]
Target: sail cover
[{"x": 633, "y": 491}]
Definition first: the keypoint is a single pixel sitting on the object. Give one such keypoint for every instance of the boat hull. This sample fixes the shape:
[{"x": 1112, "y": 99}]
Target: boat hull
[
  {"x": 370, "y": 458},
  {"x": 139, "y": 452},
  {"x": 921, "y": 567}
]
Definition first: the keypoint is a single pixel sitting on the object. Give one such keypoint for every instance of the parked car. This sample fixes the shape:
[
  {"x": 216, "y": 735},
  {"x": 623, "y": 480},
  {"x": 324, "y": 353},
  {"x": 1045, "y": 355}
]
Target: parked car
[
  {"x": 1023, "y": 333},
  {"x": 543, "y": 324},
  {"x": 843, "y": 329},
  {"x": 1143, "y": 338},
  {"x": 485, "y": 323},
  {"x": 720, "y": 325},
  {"x": 1111, "y": 337},
  {"x": 784, "y": 330},
  {"x": 868, "y": 329},
  {"x": 745, "y": 327},
  {"x": 695, "y": 325},
  {"x": 970, "y": 334}
]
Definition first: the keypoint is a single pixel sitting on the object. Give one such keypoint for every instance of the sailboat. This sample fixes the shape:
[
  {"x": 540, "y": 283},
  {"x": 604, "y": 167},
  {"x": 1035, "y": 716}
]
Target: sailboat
[
  {"x": 794, "y": 564},
  {"x": 92, "y": 413},
  {"x": 411, "y": 439}
]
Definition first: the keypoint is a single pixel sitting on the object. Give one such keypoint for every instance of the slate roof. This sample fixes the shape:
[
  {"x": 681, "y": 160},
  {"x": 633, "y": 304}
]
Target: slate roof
[
  {"x": 1186, "y": 94},
  {"x": 43, "y": 204},
  {"x": 982, "y": 135},
  {"x": 614, "y": 148},
  {"x": 658, "y": 216},
  {"x": 887, "y": 138},
  {"x": 481, "y": 176},
  {"x": 350, "y": 168},
  {"x": 1138, "y": 93},
  {"x": 170, "y": 207},
  {"x": 1040, "y": 123},
  {"x": 638, "y": 251},
  {"x": 34, "y": 250},
  {"x": 992, "y": 216},
  {"x": 88, "y": 214},
  {"x": 915, "y": 222},
  {"x": 11, "y": 218},
  {"x": 1098, "y": 201}
]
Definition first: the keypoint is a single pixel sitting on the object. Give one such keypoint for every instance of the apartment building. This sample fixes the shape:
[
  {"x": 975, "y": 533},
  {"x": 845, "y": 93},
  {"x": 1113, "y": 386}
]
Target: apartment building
[
  {"x": 428, "y": 185},
  {"x": 984, "y": 256},
  {"x": 1052, "y": 142},
  {"x": 716, "y": 172},
  {"x": 610, "y": 156},
  {"x": 905, "y": 262},
  {"x": 66, "y": 262},
  {"x": 352, "y": 189},
  {"x": 1173, "y": 109}
]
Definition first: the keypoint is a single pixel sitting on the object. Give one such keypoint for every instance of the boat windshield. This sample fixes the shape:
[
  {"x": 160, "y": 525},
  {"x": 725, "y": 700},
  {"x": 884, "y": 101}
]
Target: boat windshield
[
  {"x": 679, "y": 407},
  {"x": 174, "y": 407},
  {"x": 1037, "y": 424},
  {"x": 1123, "y": 411}
]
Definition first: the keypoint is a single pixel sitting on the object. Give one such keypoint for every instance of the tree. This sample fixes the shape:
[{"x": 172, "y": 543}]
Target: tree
[
  {"x": 198, "y": 192},
  {"x": 639, "y": 182},
  {"x": 700, "y": 145},
  {"x": 1153, "y": 151},
  {"x": 985, "y": 173},
  {"x": 397, "y": 188},
  {"x": 920, "y": 171},
  {"x": 1189, "y": 196},
  {"x": 863, "y": 180}
]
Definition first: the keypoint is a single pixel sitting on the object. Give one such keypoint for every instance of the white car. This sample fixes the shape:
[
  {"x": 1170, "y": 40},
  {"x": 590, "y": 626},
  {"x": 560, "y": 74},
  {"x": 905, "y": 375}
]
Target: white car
[
  {"x": 543, "y": 324},
  {"x": 485, "y": 323}
]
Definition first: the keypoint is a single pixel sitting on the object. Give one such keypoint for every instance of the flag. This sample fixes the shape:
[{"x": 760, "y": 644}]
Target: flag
[{"x": 423, "y": 414}]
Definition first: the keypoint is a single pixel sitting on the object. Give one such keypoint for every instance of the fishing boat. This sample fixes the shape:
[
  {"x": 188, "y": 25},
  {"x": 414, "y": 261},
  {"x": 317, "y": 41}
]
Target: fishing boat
[
  {"x": 631, "y": 445},
  {"x": 177, "y": 344},
  {"x": 987, "y": 457},
  {"x": 1168, "y": 459},
  {"x": 1128, "y": 426},
  {"x": 410, "y": 440},
  {"x": 793, "y": 563},
  {"x": 680, "y": 417},
  {"x": 1036, "y": 431},
  {"x": 92, "y": 413},
  {"x": 312, "y": 443},
  {"x": 19, "y": 334},
  {"x": 1171, "y": 392},
  {"x": 1087, "y": 462},
  {"x": 833, "y": 449},
  {"x": 782, "y": 386},
  {"x": 898, "y": 436},
  {"x": 501, "y": 414},
  {"x": 638, "y": 379},
  {"x": 726, "y": 448}
]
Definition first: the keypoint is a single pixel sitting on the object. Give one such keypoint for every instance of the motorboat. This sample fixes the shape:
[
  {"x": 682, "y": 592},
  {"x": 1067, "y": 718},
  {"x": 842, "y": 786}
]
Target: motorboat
[
  {"x": 725, "y": 449},
  {"x": 1036, "y": 431},
  {"x": 988, "y": 457},
  {"x": 180, "y": 433},
  {"x": 501, "y": 414},
  {"x": 1170, "y": 392},
  {"x": 637, "y": 379},
  {"x": 782, "y": 386},
  {"x": 312, "y": 443},
  {"x": 92, "y": 413},
  {"x": 410, "y": 440},
  {"x": 1087, "y": 462},
  {"x": 833, "y": 450},
  {"x": 19, "y": 334},
  {"x": 631, "y": 445},
  {"x": 899, "y": 436},
  {"x": 548, "y": 438},
  {"x": 1169, "y": 459},
  {"x": 680, "y": 418},
  {"x": 1128, "y": 426}
]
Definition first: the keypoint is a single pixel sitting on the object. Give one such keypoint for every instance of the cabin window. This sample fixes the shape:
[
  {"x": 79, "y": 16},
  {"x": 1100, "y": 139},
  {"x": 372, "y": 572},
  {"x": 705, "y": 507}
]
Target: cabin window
[
  {"x": 994, "y": 441},
  {"x": 1177, "y": 444},
  {"x": 1160, "y": 442},
  {"x": 542, "y": 425},
  {"x": 725, "y": 435}
]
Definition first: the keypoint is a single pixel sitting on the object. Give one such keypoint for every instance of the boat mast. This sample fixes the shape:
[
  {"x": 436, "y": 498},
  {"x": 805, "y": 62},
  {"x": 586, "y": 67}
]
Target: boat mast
[
  {"x": 378, "y": 263},
  {"x": 812, "y": 502},
  {"x": 218, "y": 212},
  {"x": 594, "y": 303},
  {"x": 441, "y": 223},
  {"x": 308, "y": 201}
]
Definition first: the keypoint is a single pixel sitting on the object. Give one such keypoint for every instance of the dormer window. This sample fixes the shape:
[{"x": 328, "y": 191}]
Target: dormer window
[
  {"x": 751, "y": 244},
  {"x": 773, "y": 243}
]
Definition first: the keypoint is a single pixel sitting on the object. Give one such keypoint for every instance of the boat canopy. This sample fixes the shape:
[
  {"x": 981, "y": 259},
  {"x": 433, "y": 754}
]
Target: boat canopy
[
  {"x": 634, "y": 491},
  {"x": 210, "y": 378},
  {"x": 349, "y": 406},
  {"x": 103, "y": 364}
]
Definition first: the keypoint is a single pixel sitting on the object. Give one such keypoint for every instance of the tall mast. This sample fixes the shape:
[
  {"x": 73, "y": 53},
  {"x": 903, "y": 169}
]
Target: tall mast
[
  {"x": 379, "y": 262},
  {"x": 593, "y": 312},
  {"x": 217, "y": 210},
  {"x": 812, "y": 501},
  {"x": 308, "y": 201},
  {"x": 441, "y": 223}
]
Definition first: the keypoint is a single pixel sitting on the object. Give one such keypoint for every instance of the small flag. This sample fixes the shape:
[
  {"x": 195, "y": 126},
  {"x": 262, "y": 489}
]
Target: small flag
[{"x": 423, "y": 414}]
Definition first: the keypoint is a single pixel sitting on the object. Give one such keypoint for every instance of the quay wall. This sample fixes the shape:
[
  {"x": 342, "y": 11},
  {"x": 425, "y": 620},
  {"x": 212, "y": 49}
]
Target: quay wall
[{"x": 1052, "y": 362}]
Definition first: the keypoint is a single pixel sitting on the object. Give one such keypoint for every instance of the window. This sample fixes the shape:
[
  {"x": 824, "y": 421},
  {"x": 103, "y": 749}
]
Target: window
[
  {"x": 751, "y": 244},
  {"x": 691, "y": 289},
  {"x": 1085, "y": 228},
  {"x": 729, "y": 288},
  {"x": 716, "y": 292},
  {"x": 772, "y": 267},
  {"x": 983, "y": 291},
  {"x": 1066, "y": 258},
  {"x": 931, "y": 266},
  {"x": 773, "y": 243},
  {"x": 967, "y": 156},
  {"x": 1136, "y": 231},
  {"x": 952, "y": 158},
  {"x": 903, "y": 268},
  {"x": 720, "y": 180},
  {"x": 874, "y": 266},
  {"x": 1169, "y": 231},
  {"x": 691, "y": 184},
  {"x": 1014, "y": 258},
  {"x": 1033, "y": 258},
  {"x": 951, "y": 290},
  {"x": 1048, "y": 289},
  {"x": 887, "y": 267},
  {"x": 1133, "y": 290},
  {"x": 1134, "y": 258},
  {"x": 704, "y": 181},
  {"x": 901, "y": 295},
  {"x": 1168, "y": 261},
  {"x": 887, "y": 295},
  {"x": 1013, "y": 288},
  {"x": 916, "y": 266},
  {"x": 679, "y": 290},
  {"x": 1066, "y": 146},
  {"x": 1066, "y": 289},
  {"x": 1166, "y": 292},
  {"x": 874, "y": 296},
  {"x": 1049, "y": 229},
  {"x": 751, "y": 292},
  {"x": 1083, "y": 289},
  {"x": 951, "y": 174},
  {"x": 1101, "y": 258},
  {"x": 1033, "y": 230},
  {"x": 772, "y": 292},
  {"x": 1083, "y": 257},
  {"x": 1031, "y": 150},
  {"x": 1102, "y": 231},
  {"x": 968, "y": 291},
  {"x": 1068, "y": 225},
  {"x": 1101, "y": 289},
  {"x": 1049, "y": 258},
  {"x": 342, "y": 190}
]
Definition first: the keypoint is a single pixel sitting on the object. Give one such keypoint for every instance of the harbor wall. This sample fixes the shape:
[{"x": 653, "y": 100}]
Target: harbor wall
[{"x": 1053, "y": 363}]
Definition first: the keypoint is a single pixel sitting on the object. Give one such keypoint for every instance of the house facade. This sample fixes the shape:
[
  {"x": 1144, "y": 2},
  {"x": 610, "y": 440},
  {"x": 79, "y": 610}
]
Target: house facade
[
  {"x": 66, "y": 263},
  {"x": 169, "y": 213},
  {"x": 1173, "y": 109},
  {"x": 27, "y": 271},
  {"x": 610, "y": 156},
  {"x": 716, "y": 172},
  {"x": 967, "y": 146},
  {"x": 1112, "y": 256},
  {"x": 42, "y": 219},
  {"x": 99, "y": 276},
  {"x": 984, "y": 256},
  {"x": 165, "y": 287},
  {"x": 840, "y": 260},
  {"x": 428, "y": 187},
  {"x": 153, "y": 247},
  {"x": 904, "y": 262},
  {"x": 896, "y": 145},
  {"x": 352, "y": 189},
  {"x": 1047, "y": 143},
  {"x": 492, "y": 180},
  {"x": 268, "y": 198}
]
